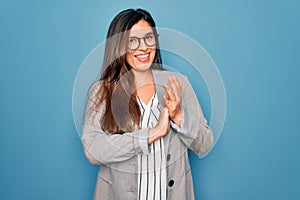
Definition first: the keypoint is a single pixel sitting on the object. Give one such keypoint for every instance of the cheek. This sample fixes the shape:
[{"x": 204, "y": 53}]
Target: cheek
[
  {"x": 153, "y": 55},
  {"x": 129, "y": 59}
]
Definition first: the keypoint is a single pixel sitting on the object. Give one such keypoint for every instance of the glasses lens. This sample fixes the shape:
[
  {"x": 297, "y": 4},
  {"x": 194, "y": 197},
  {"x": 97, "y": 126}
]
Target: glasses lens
[
  {"x": 133, "y": 43},
  {"x": 150, "y": 40}
]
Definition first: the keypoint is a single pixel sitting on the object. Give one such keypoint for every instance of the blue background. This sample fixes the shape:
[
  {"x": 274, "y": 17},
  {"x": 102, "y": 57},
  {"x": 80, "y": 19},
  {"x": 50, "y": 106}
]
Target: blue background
[{"x": 255, "y": 45}]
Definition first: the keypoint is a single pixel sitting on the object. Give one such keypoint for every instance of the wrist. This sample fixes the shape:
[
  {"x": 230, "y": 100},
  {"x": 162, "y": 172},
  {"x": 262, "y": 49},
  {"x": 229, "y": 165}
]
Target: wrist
[
  {"x": 154, "y": 134},
  {"x": 177, "y": 119}
]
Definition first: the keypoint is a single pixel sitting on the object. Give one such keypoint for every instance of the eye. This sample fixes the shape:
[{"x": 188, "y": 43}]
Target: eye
[
  {"x": 149, "y": 37},
  {"x": 132, "y": 40}
]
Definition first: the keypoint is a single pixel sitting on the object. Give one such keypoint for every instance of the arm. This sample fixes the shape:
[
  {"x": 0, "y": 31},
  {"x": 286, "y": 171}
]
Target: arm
[
  {"x": 162, "y": 127},
  {"x": 188, "y": 119},
  {"x": 101, "y": 147},
  {"x": 194, "y": 131}
]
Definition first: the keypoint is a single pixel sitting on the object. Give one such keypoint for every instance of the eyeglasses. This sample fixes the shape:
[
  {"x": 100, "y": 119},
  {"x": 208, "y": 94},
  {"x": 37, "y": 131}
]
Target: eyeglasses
[{"x": 150, "y": 40}]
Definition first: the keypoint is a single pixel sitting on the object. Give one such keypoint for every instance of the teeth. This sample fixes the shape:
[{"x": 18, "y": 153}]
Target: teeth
[{"x": 143, "y": 56}]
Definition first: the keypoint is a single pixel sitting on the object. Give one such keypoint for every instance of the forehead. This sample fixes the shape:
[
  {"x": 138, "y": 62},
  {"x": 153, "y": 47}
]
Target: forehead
[{"x": 140, "y": 29}]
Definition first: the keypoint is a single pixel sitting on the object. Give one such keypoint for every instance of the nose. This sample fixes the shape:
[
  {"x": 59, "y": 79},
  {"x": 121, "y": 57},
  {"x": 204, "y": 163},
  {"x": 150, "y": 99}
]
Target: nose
[{"x": 143, "y": 45}]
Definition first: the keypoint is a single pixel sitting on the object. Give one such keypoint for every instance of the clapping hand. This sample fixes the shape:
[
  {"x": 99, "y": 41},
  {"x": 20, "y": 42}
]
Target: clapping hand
[{"x": 173, "y": 101}]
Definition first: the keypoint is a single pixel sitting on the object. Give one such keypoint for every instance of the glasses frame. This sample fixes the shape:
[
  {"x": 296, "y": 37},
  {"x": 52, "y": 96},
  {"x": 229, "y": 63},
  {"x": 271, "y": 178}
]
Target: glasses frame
[{"x": 144, "y": 38}]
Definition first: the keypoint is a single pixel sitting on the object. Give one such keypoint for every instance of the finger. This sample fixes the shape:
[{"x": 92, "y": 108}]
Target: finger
[
  {"x": 169, "y": 92},
  {"x": 165, "y": 112},
  {"x": 178, "y": 84},
  {"x": 175, "y": 84},
  {"x": 165, "y": 109},
  {"x": 166, "y": 101},
  {"x": 179, "y": 87},
  {"x": 172, "y": 82}
]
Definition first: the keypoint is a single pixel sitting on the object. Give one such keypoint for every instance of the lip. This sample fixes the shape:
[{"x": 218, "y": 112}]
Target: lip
[{"x": 143, "y": 57}]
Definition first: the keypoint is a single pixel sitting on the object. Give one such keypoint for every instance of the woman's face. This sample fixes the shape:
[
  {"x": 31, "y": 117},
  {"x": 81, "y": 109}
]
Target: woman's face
[{"x": 142, "y": 55}]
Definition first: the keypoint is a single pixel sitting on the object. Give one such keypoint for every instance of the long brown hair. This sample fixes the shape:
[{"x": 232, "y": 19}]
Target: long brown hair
[{"x": 117, "y": 79}]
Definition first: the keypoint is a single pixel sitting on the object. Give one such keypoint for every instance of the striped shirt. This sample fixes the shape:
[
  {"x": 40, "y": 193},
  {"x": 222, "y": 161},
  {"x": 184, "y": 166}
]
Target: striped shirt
[{"x": 151, "y": 167}]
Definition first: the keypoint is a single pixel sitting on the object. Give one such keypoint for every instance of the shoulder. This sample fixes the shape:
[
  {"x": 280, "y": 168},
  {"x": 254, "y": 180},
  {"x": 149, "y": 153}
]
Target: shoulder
[
  {"x": 95, "y": 88},
  {"x": 95, "y": 92},
  {"x": 161, "y": 76},
  {"x": 95, "y": 102},
  {"x": 157, "y": 72}
]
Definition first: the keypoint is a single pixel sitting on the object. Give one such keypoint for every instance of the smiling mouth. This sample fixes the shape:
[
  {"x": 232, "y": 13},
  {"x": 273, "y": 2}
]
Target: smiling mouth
[{"x": 143, "y": 57}]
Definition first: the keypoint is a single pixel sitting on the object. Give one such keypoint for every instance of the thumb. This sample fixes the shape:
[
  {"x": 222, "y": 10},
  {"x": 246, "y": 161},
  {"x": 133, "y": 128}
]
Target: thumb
[{"x": 165, "y": 112}]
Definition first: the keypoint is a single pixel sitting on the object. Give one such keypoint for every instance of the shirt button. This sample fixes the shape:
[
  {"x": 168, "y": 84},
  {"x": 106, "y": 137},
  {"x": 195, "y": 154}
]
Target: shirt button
[
  {"x": 168, "y": 157},
  {"x": 171, "y": 183}
]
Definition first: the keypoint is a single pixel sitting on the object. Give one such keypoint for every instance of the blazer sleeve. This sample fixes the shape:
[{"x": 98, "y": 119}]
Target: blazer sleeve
[
  {"x": 194, "y": 131},
  {"x": 101, "y": 147}
]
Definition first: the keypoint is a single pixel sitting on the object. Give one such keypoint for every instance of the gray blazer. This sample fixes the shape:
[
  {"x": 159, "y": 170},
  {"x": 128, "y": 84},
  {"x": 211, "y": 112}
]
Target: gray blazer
[{"x": 117, "y": 153}]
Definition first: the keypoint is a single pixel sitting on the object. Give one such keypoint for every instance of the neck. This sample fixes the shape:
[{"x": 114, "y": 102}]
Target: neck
[{"x": 143, "y": 78}]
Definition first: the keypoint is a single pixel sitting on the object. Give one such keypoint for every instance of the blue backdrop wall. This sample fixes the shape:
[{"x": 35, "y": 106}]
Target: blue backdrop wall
[{"x": 255, "y": 45}]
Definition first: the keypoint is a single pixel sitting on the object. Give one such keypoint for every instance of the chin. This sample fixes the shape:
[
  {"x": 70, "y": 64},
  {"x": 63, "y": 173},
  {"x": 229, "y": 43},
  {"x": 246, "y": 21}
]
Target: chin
[{"x": 142, "y": 68}]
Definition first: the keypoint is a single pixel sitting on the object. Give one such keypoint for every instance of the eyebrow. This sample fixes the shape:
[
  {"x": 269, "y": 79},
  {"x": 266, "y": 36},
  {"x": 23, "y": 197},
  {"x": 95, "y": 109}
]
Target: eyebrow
[{"x": 149, "y": 33}]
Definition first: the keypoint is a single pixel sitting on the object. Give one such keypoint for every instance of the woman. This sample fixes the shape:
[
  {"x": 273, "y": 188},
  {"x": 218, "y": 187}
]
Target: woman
[{"x": 140, "y": 119}]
